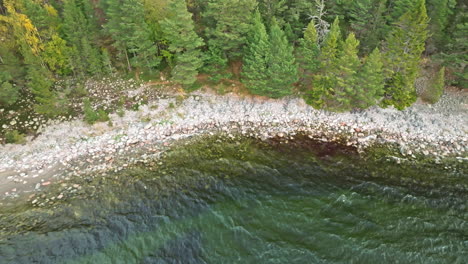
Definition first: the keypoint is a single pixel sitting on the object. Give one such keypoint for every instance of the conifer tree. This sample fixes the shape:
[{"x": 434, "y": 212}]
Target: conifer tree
[
  {"x": 325, "y": 78},
  {"x": 398, "y": 8},
  {"x": 79, "y": 30},
  {"x": 184, "y": 43},
  {"x": 370, "y": 81},
  {"x": 435, "y": 89},
  {"x": 367, "y": 20},
  {"x": 228, "y": 23},
  {"x": 46, "y": 99},
  {"x": 215, "y": 62},
  {"x": 439, "y": 11},
  {"x": 256, "y": 56},
  {"x": 282, "y": 67},
  {"x": 330, "y": 47},
  {"x": 457, "y": 46},
  {"x": 309, "y": 50},
  {"x": 8, "y": 93},
  {"x": 132, "y": 35},
  {"x": 403, "y": 55},
  {"x": 345, "y": 71}
]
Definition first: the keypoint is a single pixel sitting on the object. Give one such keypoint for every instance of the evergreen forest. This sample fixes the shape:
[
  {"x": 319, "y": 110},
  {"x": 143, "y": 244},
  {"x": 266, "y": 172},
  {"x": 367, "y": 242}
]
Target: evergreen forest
[{"x": 339, "y": 55}]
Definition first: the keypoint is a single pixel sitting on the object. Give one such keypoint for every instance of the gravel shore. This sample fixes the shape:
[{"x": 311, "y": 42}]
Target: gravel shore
[{"x": 74, "y": 148}]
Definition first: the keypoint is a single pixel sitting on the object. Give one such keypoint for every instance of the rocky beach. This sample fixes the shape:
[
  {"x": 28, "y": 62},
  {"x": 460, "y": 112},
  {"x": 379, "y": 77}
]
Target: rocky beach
[{"x": 73, "y": 148}]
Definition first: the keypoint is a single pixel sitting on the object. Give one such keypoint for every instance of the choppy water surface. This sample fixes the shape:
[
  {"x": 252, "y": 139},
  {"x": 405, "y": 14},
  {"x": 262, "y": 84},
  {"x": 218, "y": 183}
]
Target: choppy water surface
[{"x": 240, "y": 203}]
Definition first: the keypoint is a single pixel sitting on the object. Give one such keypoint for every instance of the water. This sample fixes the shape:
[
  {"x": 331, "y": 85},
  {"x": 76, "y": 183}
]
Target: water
[{"x": 238, "y": 202}]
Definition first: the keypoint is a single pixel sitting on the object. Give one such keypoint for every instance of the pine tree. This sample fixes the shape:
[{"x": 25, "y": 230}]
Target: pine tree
[
  {"x": 106, "y": 61},
  {"x": 439, "y": 11},
  {"x": 184, "y": 43},
  {"x": 40, "y": 85},
  {"x": 79, "y": 31},
  {"x": 309, "y": 50},
  {"x": 370, "y": 81},
  {"x": 256, "y": 56},
  {"x": 282, "y": 67},
  {"x": 228, "y": 23},
  {"x": 435, "y": 89},
  {"x": 457, "y": 46},
  {"x": 215, "y": 62},
  {"x": 398, "y": 8},
  {"x": 345, "y": 71},
  {"x": 325, "y": 78},
  {"x": 8, "y": 93},
  {"x": 330, "y": 47},
  {"x": 132, "y": 35},
  {"x": 367, "y": 20},
  {"x": 403, "y": 55}
]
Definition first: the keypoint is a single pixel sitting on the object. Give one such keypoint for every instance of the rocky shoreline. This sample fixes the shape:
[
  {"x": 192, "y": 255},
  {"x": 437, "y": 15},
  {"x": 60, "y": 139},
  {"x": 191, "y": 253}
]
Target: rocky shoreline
[{"x": 73, "y": 148}]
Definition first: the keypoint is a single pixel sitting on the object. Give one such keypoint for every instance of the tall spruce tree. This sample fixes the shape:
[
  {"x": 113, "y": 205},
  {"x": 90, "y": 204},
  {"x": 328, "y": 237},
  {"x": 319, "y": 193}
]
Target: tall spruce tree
[
  {"x": 456, "y": 56},
  {"x": 228, "y": 22},
  {"x": 439, "y": 11},
  {"x": 132, "y": 35},
  {"x": 256, "y": 56},
  {"x": 47, "y": 102},
  {"x": 282, "y": 66},
  {"x": 79, "y": 31},
  {"x": 331, "y": 45},
  {"x": 184, "y": 42},
  {"x": 309, "y": 50},
  {"x": 345, "y": 70},
  {"x": 326, "y": 78},
  {"x": 404, "y": 48},
  {"x": 367, "y": 20},
  {"x": 8, "y": 93},
  {"x": 398, "y": 8},
  {"x": 370, "y": 83}
]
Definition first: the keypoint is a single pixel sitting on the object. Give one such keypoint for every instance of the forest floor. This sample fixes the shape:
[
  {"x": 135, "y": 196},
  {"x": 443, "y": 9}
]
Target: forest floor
[{"x": 72, "y": 148}]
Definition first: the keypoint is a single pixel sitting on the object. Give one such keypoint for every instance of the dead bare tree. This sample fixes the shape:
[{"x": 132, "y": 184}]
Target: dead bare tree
[{"x": 321, "y": 25}]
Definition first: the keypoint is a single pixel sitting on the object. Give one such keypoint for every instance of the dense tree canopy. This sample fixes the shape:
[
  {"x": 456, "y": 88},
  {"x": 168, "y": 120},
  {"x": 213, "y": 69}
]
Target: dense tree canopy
[{"x": 338, "y": 54}]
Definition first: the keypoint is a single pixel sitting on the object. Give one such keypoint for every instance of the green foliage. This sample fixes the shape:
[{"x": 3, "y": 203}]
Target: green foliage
[
  {"x": 456, "y": 56},
  {"x": 131, "y": 34},
  {"x": 228, "y": 23},
  {"x": 404, "y": 48},
  {"x": 330, "y": 48},
  {"x": 14, "y": 137},
  {"x": 215, "y": 65},
  {"x": 56, "y": 55},
  {"x": 80, "y": 29},
  {"x": 47, "y": 101},
  {"x": 257, "y": 52},
  {"x": 42, "y": 40},
  {"x": 439, "y": 11},
  {"x": 400, "y": 7},
  {"x": 346, "y": 67},
  {"x": 8, "y": 93},
  {"x": 269, "y": 64},
  {"x": 92, "y": 116},
  {"x": 435, "y": 90},
  {"x": 309, "y": 50},
  {"x": 367, "y": 20},
  {"x": 370, "y": 81},
  {"x": 282, "y": 67},
  {"x": 184, "y": 43},
  {"x": 325, "y": 80}
]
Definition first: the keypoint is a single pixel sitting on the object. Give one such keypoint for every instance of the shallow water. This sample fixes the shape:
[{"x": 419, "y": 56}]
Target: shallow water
[{"x": 239, "y": 202}]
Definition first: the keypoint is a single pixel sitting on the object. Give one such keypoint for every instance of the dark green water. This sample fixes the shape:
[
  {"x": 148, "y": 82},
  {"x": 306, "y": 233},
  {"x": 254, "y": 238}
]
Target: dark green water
[{"x": 239, "y": 202}]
